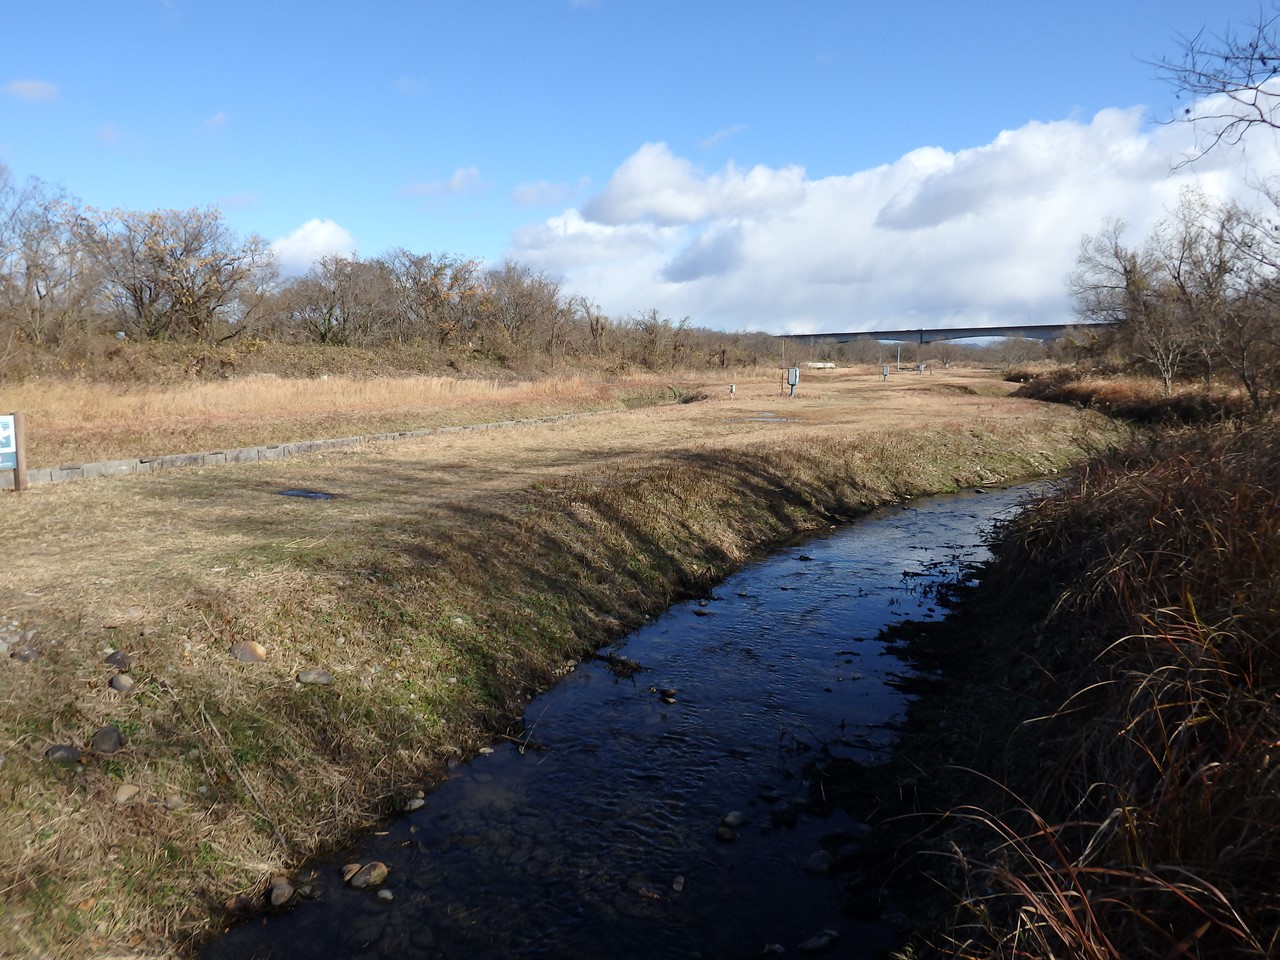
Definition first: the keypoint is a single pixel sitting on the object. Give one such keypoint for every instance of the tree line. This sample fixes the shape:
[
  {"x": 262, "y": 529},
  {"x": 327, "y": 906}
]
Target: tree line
[
  {"x": 1198, "y": 298},
  {"x": 68, "y": 271}
]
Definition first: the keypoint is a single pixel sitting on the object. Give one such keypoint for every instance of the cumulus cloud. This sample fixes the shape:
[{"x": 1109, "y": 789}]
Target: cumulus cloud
[
  {"x": 32, "y": 90},
  {"x": 462, "y": 180},
  {"x": 316, "y": 238},
  {"x": 981, "y": 236},
  {"x": 654, "y": 184}
]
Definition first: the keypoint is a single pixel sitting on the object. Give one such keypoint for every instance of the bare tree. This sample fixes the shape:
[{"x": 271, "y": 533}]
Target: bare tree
[
  {"x": 46, "y": 279},
  {"x": 1240, "y": 68},
  {"x": 175, "y": 273},
  {"x": 1127, "y": 288}
]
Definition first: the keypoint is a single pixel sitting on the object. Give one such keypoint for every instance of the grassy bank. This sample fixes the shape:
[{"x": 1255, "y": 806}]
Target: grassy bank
[
  {"x": 1118, "y": 716},
  {"x": 449, "y": 578}
]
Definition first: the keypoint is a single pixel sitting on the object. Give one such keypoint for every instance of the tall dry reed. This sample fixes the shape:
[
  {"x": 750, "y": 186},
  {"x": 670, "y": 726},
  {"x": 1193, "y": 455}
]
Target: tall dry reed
[{"x": 1141, "y": 816}]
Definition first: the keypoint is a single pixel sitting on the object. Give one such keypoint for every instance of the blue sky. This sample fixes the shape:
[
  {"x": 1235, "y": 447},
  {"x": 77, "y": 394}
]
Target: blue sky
[{"x": 750, "y": 165}]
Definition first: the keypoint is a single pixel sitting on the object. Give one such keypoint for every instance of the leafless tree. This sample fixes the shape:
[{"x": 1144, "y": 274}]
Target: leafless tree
[
  {"x": 175, "y": 273},
  {"x": 47, "y": 281},
  {"x": 1240, "y": 68},
  {"x": 1128, "y": 288}
]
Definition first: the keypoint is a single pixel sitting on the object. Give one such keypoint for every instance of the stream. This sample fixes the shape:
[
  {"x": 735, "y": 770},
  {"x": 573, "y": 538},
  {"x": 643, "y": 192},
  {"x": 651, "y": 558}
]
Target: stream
[{"x": 667, "y": 811}]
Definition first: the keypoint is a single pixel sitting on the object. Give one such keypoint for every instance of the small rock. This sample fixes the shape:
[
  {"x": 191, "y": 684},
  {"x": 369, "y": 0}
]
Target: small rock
[
  {"x": 126, "y": 792},
  {"x": 122, "y": 683},
  {"x": 249, "y": 651},
  {"x": 370, "y": 875},
  {"x": 677, "y": 884},
  {"x": 315, "y": 675},
  {"x": 24, "y": 652},
  {"x": 819, "y": 862},
  {"x": 734, "y": 819},
  {"x": 386, "y": 895},
  {"x": 820, "y": 942},
  {"x": 349, "y": 871},
  {"x": 108, "y": 739},
  {"x": 486, "y": 751},
  {"x": 118, "y": 659},
  {"x": 726, "y": 834},
  {"x": 281, "y": 893},
  {"x": 417, "y": 803},
  {"x": 63, "y": 754}
]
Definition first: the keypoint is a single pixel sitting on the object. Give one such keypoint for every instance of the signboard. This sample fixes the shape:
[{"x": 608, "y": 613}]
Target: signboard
[{"x": 8, "y": 443}]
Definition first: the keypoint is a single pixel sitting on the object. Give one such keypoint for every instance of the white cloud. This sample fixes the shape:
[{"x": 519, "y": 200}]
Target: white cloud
[
  {"x": 32, "y": 90},
  {"x": 654, "y": 184},
  {"x": 980, "y": 236},
  {"x": 462, "y": 180},
  {"x": 545, "y": 193},
  {"x": 720, "y": 136},
  {"x": 108, "y": 133},
  {"x": 316, "y": 238},
  {"x": 217, "y": 121}
]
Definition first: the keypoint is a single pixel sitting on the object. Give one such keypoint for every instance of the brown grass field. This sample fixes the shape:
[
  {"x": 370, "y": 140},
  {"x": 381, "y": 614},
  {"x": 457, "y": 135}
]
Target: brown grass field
[{"x": 451, "y": 576}]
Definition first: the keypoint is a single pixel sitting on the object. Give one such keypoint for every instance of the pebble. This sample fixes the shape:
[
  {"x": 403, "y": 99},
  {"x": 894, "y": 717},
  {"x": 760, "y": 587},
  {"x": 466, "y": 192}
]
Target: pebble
[
  {"x": 725, "y": 834},
  {"x": 118, "y": 659},
  {"x": 108, "y": 739},
  {"x": 417, "y": 803},
  {"x": 820, "y": 942},
  {"x": 122, "y": 683},
  {"x": 386, "y": 895},
  {"x": 677, "y": 884},
  {"x": 281, "y": 892},
  {"x": 370, "y": 875},
  {"x": 734, "y": 819},
  {"x": 24, "y": 652},
  {"x": 315, "y": 675},
  {"x": 126, "y": 792},
  {"x": 249, "y": 651},
  {"x": 63, "y": 753}
]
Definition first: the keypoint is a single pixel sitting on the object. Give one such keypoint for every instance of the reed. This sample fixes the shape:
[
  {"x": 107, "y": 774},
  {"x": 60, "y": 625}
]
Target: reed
[{"x": 1139, "y": 816}]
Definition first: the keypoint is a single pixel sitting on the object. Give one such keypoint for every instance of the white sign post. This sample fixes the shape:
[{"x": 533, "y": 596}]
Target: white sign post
[{"x": 12, "y": 454}]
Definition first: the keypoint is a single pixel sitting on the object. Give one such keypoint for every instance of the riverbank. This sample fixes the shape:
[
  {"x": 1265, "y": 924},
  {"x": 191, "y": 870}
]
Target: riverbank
[
  {"x": 284, "y": 669},
  {"x": 1093, "y": 767}
]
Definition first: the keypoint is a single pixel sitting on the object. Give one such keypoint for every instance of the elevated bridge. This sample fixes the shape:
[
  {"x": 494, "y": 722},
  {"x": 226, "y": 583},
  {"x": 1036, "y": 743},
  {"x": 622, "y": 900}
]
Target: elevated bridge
[{"x": 1033, "y": 331}]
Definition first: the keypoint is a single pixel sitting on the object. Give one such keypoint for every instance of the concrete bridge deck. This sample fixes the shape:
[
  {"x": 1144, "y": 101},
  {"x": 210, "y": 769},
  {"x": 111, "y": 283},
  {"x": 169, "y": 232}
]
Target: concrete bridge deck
[{"x": 1034, "y": 331}]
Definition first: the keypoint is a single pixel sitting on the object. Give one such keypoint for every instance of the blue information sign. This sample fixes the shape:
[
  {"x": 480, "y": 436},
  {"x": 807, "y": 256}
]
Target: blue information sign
[{"x": 8, "y": 443}]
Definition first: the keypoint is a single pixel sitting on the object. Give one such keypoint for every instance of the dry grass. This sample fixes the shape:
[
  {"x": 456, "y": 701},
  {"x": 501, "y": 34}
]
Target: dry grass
[
  {"x": 454, "y": 575},
  {"x": 1146, "y": 818},
  {"x": 1136, "y": 399},
  {"x": 82, "y": 421}
]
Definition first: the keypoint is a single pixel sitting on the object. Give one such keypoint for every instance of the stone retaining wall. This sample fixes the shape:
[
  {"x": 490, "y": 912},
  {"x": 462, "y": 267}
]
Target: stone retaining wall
[{"x": 275, "y": 451}]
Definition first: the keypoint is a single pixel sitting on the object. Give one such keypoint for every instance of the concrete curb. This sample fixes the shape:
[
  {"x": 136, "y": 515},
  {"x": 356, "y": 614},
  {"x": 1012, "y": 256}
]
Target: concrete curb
[{"x": 275, "y": 451}]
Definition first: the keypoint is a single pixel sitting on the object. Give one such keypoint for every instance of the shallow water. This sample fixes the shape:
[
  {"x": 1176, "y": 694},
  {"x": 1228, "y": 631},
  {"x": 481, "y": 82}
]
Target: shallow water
[{"x": 596, "y": 836}]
